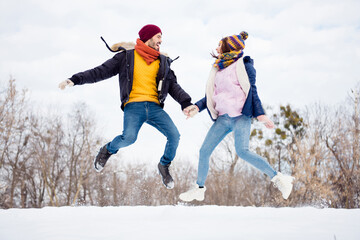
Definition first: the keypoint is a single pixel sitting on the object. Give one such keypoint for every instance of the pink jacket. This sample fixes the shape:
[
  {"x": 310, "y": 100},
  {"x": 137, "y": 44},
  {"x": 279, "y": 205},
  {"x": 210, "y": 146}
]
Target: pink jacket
[
  {"x": 242, "y": 78},
  {"x": 229, "y": 97}
]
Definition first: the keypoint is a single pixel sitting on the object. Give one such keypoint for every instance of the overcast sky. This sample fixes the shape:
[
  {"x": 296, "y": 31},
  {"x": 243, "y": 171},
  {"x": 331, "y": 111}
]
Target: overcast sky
[{"x": 304, "y": 52}]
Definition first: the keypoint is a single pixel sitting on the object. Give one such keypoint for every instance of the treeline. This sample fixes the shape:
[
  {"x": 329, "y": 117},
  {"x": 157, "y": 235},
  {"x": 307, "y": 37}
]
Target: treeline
[{"x": 46, "y": 160}]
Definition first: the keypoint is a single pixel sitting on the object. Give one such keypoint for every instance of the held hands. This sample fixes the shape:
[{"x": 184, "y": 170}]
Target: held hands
[
  {"x": 65, "y": 83},
  {"x": 266, "y": 121},
  {"x": 191, "y": 111}
]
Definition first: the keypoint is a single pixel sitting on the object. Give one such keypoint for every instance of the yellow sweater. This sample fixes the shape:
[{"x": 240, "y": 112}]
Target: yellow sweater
[{"x": 144, "y": 80}]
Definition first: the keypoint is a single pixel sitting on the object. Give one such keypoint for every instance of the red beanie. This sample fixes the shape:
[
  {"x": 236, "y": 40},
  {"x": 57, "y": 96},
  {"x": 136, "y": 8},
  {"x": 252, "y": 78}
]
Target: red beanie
[{"x": 148, "y": 31}]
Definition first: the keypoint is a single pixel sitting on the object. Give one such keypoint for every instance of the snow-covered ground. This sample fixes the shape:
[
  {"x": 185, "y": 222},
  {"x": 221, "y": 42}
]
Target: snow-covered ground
[{"x": 179, "y": 222}]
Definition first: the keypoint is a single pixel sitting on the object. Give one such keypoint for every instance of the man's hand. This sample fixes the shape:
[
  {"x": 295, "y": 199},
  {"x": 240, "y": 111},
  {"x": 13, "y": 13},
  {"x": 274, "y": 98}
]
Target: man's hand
[
  {"x": 65, "y": 83},
  {"x": 191, "y": 111}
]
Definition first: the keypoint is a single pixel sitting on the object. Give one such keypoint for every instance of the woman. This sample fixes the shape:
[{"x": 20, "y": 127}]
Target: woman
[{"x": 232, "y": 100}]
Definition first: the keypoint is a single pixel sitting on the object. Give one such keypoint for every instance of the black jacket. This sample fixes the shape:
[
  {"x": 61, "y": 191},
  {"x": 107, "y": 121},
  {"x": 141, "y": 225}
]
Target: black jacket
[{"x": 123, "y": 64}]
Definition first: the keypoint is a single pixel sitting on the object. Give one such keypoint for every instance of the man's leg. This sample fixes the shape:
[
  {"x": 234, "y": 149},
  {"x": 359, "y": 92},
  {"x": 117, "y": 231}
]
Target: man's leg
[
  {"x": 159, "y": 119},
  {"x": 134, "y": 117}
]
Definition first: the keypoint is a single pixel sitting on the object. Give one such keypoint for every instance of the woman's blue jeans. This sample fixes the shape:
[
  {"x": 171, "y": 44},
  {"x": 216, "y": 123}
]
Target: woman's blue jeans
[
  {"x": 137, "y": 113},
  {"x": 223, "y": 125}
]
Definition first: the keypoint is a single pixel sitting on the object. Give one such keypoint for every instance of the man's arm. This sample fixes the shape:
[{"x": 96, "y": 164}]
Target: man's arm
[
  {"x": 177, "y": 92},
  {"x": 106, "y": 70}
]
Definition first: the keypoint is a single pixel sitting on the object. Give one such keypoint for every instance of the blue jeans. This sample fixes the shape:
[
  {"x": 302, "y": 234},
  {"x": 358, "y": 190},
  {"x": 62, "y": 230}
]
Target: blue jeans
[
  {"x": 241, "y": 126},
  {"x": 137, "y": 113}
]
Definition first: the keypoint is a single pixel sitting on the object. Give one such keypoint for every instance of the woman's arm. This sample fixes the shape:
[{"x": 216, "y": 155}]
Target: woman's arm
[
  {"x": 201, "y": 104},
  {"x": 257, "y": 108}
]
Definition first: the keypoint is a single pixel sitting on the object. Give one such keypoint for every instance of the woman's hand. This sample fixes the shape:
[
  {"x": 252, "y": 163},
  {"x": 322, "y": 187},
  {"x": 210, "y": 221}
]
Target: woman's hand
[
  {"x": 266, "y": 121},
  {"x": 191, "y": 111}
]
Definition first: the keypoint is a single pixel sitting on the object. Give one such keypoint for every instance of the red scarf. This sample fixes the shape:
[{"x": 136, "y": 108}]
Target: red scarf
[{"x": 149, "y": 54}]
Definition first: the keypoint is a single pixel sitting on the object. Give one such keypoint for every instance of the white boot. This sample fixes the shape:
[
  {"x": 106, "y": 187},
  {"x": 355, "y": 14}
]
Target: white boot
[
  {"x": 283, "y": 183},
  {"x": 194, "y": 193}
]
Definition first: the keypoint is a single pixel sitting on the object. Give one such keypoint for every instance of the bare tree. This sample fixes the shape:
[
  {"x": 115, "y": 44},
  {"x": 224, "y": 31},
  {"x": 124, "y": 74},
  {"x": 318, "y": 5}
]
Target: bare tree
[
  {"x": 310, "y": 161},
  {"x": 47, "y": 148},
  {"x": 343, "y": 143},
  {"x": 14, "y": 136}
]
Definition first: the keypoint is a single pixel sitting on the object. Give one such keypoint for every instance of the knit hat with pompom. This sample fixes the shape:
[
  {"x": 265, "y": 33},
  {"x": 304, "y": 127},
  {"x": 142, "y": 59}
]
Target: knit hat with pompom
[{"x": 237, "y": 41}]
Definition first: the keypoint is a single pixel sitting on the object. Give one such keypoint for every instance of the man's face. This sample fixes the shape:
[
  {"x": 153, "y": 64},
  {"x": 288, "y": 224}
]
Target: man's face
[{"x": 154, "y": 42}]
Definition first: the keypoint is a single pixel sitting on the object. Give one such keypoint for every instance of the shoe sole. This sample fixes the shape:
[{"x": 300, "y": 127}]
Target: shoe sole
[
  {"x": 162, "y": 180},
  {"x": 200, "y": 199},
  {"x": 94, "y": 165},
  {"x": 292, "y": 186},
  {"x": 197, "y": 199}
]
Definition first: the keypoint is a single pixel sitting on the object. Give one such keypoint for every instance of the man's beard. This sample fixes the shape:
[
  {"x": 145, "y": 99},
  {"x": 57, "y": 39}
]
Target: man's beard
[{"x": 152, "y": 44}]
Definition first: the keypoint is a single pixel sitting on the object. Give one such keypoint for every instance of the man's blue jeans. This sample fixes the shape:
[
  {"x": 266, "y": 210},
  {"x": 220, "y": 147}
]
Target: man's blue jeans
[
  {"x": 223, "y": 125},
  {"x": 137, "y": 113}
]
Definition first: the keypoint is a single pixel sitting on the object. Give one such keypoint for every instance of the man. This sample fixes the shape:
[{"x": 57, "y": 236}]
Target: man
[{"x": 145, "y": 79}]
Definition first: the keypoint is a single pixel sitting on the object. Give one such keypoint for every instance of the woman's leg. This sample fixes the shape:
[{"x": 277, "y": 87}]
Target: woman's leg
[
  {"x": 241, "y": 128},
  {"x": 216, "y": 134}
]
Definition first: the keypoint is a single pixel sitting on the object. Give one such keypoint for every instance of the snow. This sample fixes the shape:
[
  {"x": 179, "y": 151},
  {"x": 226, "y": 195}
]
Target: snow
[{"x": 179, "y": 222}]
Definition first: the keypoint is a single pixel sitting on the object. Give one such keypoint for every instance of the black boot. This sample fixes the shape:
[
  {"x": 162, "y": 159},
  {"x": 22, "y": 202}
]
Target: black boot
[
  {"x": 101, "y": 158},
  {"x": 165, "y": 175}
]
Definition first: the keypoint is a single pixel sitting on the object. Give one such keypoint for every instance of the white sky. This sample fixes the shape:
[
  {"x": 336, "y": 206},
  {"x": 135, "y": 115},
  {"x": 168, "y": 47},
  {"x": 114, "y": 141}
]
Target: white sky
[{"x": 304, "y": 52}]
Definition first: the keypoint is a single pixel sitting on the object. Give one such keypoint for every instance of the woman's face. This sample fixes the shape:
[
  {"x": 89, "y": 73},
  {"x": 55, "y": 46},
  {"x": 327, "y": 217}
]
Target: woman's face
[{"x": 218, "y": 49}]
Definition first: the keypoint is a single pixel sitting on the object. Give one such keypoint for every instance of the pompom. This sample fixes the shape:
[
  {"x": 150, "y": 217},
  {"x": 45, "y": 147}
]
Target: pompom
[{"x": 244, "y": 35}]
